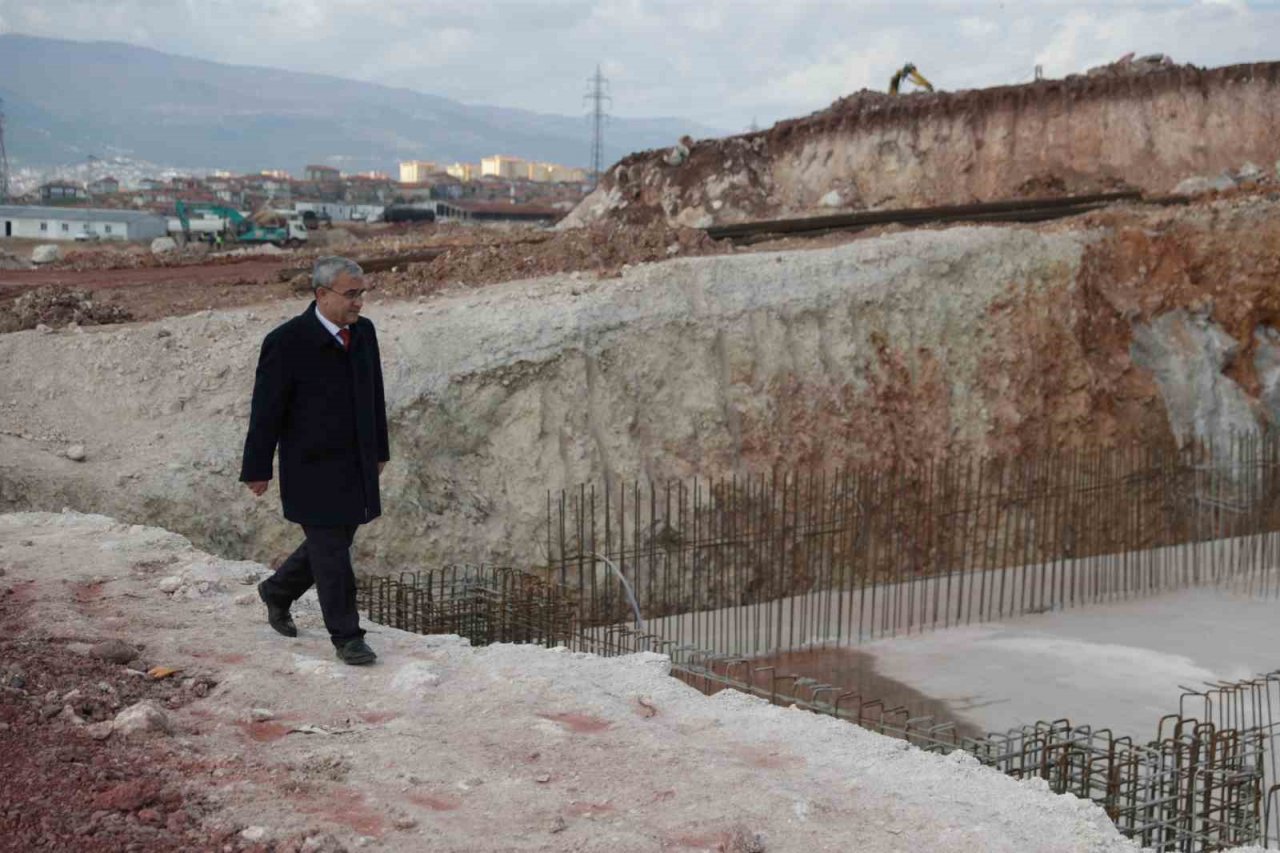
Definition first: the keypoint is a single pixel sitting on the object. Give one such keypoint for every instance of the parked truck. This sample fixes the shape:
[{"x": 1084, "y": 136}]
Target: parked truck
[{"x": 266, "y": 227}]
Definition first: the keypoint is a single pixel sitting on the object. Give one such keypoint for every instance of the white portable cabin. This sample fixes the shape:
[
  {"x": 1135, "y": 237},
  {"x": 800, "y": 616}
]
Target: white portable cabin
[{"x": 64, "y": 223}]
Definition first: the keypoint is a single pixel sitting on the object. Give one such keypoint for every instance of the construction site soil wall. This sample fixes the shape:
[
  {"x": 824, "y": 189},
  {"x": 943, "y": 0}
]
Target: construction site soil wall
[
  {"x": 870, "y": 150},
  {"x": 1138, "y": 324}
]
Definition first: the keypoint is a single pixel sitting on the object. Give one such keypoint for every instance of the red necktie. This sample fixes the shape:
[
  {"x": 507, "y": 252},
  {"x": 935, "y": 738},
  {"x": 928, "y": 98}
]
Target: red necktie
[{"x": 345, "y": 334}]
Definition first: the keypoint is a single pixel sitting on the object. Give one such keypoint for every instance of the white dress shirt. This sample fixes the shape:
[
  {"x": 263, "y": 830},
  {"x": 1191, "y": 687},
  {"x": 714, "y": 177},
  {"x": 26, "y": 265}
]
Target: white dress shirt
[{"x": 331, "y": 326}]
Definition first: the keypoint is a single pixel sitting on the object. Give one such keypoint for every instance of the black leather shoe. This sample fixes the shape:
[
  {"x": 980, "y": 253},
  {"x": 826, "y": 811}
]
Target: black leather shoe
[
  {"x": 278, "y": 617},
  {"x": 356, "y": 652}
]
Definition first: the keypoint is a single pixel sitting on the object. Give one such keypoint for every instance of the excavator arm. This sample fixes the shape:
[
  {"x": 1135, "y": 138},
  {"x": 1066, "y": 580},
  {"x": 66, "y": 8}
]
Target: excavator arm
[
  {"x": 919, "y": 80},
  {"x": 908, "y": 72}
]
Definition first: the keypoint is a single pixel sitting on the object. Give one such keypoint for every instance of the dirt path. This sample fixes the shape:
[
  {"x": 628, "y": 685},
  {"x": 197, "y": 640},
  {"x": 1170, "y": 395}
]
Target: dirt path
[
  {"x": 270, "y": 744},
  {"x": 468, "y": 258},
  {"x": 247, "y": 270},
  {"x": 150, "y": 293}
]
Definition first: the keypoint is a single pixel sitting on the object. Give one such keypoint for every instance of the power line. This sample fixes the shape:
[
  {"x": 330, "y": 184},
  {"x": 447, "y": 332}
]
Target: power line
[
  {"x": 4, "y": 160},
  {"x": 597, "y": 96}
]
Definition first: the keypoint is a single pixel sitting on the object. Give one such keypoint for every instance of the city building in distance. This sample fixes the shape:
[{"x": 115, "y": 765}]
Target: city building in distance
[
  {"x": 464, "y": 171},
  {"x": 498, "y": 166},
  {"x": 417, "y": 171}
]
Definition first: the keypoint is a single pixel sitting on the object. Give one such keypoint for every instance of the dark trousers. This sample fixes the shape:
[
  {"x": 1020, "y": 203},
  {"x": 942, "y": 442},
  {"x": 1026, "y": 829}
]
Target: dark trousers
[{"x": 324, "y": 558}]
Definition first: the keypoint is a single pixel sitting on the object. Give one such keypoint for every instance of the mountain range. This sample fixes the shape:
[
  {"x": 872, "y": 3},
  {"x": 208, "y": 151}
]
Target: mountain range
[{"x": 66, "y": 100}]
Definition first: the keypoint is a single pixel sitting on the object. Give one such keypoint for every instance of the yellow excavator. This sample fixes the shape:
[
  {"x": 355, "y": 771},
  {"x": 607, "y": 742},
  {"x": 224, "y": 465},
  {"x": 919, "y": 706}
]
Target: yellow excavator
[{"x": 909, "y": 72}]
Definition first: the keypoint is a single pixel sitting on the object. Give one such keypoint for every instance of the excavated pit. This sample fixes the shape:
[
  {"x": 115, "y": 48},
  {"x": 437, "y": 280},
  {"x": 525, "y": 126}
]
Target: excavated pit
[
  {"x": 911, "y": 346},
  {"x": 1157, "y": 328}
]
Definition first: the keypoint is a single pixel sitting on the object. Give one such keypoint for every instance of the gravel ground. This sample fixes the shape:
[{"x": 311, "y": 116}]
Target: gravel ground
[{"x": 63, "y": 788}]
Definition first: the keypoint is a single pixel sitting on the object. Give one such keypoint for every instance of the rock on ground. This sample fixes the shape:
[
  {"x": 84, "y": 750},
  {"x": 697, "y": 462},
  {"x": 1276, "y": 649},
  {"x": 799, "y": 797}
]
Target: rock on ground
[
  {"x": 163, "y": 246},
  {"x": 143, "y": 718},
  {"x": 113, "y": 651},
  {"x": 45, "y": 254},
  {"x": 1198, "y": 184}
]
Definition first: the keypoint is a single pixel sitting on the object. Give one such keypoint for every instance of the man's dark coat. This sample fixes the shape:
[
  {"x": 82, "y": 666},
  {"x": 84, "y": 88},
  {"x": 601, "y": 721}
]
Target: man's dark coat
[{"x": 325, "y": 407}]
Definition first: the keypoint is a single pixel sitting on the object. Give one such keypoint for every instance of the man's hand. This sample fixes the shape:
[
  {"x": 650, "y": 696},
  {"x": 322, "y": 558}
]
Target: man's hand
[
  {"x": 258, "y": 486},
  {"x": 381, "y": 465}
]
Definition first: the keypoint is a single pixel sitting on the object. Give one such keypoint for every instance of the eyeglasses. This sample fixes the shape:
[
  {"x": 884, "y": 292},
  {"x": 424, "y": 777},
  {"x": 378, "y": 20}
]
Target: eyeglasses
[{"x": 349, "y": 295}]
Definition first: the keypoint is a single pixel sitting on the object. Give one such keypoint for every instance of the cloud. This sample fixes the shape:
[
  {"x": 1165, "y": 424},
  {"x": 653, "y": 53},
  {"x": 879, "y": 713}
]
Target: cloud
[
  {"x": 839, "y": 73},
  {"x": 1238, "y": 6},
  {"x": 1062, "y": 55},
  {"x": 977, "y": 27},
  {"x": 720, "y": 62}
]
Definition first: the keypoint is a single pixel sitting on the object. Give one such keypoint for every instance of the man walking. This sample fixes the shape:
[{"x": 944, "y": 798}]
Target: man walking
[{"x": 318, "y": 395}]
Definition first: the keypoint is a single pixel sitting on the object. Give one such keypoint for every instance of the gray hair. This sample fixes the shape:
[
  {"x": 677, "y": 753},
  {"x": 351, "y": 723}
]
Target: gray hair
[{"x": 329, "y": 268}]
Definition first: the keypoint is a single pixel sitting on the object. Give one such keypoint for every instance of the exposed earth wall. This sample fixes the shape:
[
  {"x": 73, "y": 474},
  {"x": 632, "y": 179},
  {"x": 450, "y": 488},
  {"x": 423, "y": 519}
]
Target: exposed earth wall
[
  {"x": 1141, "y": 324},
  {"x": 873, "y": 151}
]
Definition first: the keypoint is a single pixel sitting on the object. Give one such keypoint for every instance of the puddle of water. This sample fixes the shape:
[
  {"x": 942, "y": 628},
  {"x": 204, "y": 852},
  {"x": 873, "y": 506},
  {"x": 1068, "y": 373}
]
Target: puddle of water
[{"x": 855, "y": 671}]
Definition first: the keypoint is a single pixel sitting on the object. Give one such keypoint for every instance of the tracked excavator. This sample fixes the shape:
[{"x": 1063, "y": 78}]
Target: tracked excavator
[{"x": 908, "y": 72}]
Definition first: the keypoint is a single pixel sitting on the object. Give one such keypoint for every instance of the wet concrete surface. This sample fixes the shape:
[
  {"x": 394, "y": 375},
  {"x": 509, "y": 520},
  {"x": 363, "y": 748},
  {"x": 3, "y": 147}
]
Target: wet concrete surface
[
  {"x": 1119, "y": 666},
  {"x": 855, "y": 671}
]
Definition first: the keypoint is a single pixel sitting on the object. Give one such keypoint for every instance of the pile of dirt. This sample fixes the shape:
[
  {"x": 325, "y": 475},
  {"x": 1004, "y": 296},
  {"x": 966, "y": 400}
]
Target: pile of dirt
[
  {"x": 407, "y": 237},
  {"x": 55, "y": 306},
  {"x": 133, "y": 257},
  {"x": 126, "y": 258},
  {"x": 395, "y": 240},
  {"x": 869, "y": 105},
  {"x": 604, "y": 250},
  {"x": 1128, "y": 65},
  {"x": 331, "y": 239}
]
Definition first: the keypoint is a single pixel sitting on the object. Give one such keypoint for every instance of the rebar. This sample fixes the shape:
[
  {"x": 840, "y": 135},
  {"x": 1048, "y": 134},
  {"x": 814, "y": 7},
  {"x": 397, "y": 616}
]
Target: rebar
[
  {"x": 726, "y": 572},
  {"x": 485, "y": 604},
  {"x": 776, "y": 562}
]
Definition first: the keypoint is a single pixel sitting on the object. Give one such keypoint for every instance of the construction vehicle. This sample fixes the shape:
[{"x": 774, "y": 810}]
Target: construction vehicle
[
  {"x": 408, "y": 213},
  {"x": 909, "y": 72},
  {"x": 315, "y": 221},
  {"x": 234, "y": 226}
]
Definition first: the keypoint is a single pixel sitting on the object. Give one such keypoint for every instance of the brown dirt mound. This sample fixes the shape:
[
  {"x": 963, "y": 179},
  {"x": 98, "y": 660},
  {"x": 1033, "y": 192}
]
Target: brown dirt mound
[
  {"x": 873, "y": 106},
  {"x": 603, "y": 250},
  {"x": 57, "y": 306}
]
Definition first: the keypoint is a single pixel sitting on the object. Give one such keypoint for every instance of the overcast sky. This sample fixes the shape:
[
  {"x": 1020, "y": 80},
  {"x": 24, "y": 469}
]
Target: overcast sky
[{"x": 720, "y": 62}]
